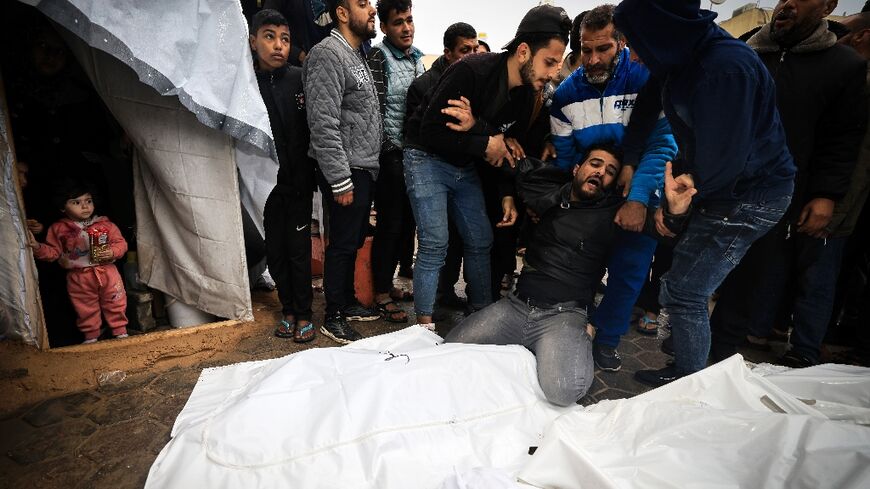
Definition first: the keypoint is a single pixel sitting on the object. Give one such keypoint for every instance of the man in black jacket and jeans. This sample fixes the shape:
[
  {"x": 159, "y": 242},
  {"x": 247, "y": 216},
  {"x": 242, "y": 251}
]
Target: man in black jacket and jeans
[
  {"x": 460, "y": 40},
  {"x": 794, "y": 267},
  {"x": 564, "y": 263},
  {"x": 464, "y": 119}
]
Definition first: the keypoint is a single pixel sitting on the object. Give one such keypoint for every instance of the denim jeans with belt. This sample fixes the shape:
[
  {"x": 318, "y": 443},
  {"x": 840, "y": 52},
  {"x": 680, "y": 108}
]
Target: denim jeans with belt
[
  {"x": 436, "y": 188},
  {"x": 555, "y": 334},
  {"x": 714, "y": 242}
]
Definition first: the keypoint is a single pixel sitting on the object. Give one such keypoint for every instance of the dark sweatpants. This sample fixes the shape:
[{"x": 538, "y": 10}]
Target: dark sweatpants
[
  {"x": 394, "y": 217},
  {"x": 348, "y": 226},
  {"x": 287, "y": 221}
]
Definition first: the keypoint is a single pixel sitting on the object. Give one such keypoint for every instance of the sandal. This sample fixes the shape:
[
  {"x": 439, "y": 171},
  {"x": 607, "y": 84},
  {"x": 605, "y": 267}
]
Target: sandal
[
  {"x": 647, "y": 326},
  {"x": 304, "y": 334},
  {"x": 285, "y": 329},
  {"x": 401, "y": 295},
  {"x": 396, "y": 315}
]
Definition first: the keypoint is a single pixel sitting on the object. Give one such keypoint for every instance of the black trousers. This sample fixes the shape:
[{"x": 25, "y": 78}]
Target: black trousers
[
  {"x": 348, "y": 226},
  {"x": 394, "y": 217},
  {"x": 287, "y": 220},
  {"x": 648, "y": 300}
]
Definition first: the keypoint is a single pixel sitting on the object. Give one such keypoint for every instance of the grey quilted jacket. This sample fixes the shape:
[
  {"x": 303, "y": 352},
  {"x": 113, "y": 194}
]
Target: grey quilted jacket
[{"x": 343, "y": 111}]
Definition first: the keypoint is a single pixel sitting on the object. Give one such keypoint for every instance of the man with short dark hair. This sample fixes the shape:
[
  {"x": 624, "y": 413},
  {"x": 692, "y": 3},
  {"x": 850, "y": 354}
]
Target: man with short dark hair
[
  {"x": 794, "y": 267},
  {"x": 721, "y": 105},
  {"x": 346, "y": 131},
  {"x": 395, "y": 63},
  {"x": 460, "y": 40},
  {"x": 463, "y": 120},
  {"x": 593, "y": 106},
  {"x": 547, "y": 311}
]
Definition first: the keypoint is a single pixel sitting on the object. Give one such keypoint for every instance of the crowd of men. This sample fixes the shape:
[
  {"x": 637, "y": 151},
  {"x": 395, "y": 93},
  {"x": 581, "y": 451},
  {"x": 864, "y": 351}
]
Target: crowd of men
[{"x": 731, "y": 164}]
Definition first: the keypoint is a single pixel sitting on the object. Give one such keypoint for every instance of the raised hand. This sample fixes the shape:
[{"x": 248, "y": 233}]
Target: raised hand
[{"x": 678, "y": 191}]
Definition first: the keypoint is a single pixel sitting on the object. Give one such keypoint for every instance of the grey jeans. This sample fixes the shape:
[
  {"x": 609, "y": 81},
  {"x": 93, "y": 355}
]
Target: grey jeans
[{"x": 557, "y": 336}]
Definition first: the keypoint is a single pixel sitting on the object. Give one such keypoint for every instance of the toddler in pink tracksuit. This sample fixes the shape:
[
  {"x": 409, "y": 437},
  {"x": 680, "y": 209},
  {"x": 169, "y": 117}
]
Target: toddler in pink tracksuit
[{"x": 87, "y": 245}]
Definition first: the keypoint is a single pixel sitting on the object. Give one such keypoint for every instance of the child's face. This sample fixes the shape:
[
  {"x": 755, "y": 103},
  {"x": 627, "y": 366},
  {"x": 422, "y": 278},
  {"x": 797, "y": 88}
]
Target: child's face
[
  {"x": 272, "y": 45},
  {"x": 80, "y": 208}
]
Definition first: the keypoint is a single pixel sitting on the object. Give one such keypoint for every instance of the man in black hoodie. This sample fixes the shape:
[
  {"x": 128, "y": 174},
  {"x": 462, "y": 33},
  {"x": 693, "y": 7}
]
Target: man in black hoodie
[
  {"x": 721, "y": 104},
  {"x": 794, "y": 267},
  {"x": 287, "y": 215}
]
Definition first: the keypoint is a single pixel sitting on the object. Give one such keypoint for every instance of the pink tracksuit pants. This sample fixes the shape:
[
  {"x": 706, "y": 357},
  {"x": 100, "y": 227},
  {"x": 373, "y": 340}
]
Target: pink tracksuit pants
[{"x": 95, "y": 290}]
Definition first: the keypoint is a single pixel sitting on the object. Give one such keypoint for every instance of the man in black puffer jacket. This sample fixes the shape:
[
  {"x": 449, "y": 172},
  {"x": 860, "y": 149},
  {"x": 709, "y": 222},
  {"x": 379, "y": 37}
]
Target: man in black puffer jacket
[
  {"x": 565, "y": 261},
  {"x": 794, "y": 267}
]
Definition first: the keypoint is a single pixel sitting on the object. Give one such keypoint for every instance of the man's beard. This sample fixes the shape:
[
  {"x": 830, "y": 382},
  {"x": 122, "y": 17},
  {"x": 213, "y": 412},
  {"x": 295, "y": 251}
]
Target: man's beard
[
  {"x": 605, "y": 75},
  {"x": 361, "y": 29},
  {"x": 527, "y": 73},
  {"x": 579, "y": 192}
]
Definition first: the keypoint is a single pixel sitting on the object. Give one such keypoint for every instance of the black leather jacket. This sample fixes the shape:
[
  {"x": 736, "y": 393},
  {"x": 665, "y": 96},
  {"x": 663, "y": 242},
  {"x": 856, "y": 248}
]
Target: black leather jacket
[{"x": 569, "y": 249}]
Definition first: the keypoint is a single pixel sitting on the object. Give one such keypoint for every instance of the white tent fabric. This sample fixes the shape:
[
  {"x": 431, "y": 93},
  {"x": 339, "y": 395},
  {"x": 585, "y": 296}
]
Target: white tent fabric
[
  {"x": 195, "y": 50},
  {"x": 394, "y": 411},
  {"x": 188, "y": 220},
  {"x": 195, "y": 55},
  {"x": 18, "y": 296},
  {"x": 722, "y": 427}
]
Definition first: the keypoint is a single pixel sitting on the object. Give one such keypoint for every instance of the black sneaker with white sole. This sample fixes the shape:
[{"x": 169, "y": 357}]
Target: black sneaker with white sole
[
  {"x": 336, "y": 328},
  {"x": 606, "y": 358},
  {"x": 358, "y": 312}
]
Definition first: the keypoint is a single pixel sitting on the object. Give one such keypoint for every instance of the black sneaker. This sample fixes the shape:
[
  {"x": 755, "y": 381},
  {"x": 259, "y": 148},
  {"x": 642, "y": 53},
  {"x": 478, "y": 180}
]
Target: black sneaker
[
  {"x": 668, "y": 346},
  {"x": 358, "y": 312},
  {"x": 720, "y": 351},
  {"x": 606, "y": 358},
  {"x": 794, "y": 359},
  {"x": 658, "y": 378},
  {"x": 337, "y": 328}
]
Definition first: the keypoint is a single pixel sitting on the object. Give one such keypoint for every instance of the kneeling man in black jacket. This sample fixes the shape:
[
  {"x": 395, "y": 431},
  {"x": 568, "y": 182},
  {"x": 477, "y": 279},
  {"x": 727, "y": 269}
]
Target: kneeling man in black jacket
[{"x": 564, "y": 262}]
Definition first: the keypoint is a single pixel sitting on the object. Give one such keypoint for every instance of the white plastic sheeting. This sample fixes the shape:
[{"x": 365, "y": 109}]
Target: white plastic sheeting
[
  {"x": 20, "y": 310},
  {"x": 188, "y": 218},
  {"x": 395, "y": 411},
  {"x": 463, "y": 416},
  {"x": 722, "y": 427},
  {"x": 195, "y": 50}
]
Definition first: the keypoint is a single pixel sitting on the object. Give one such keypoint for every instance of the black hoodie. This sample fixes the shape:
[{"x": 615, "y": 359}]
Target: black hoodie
[
  {"x": 282, "y": 93},
  {"x": 718, "y": 97}
]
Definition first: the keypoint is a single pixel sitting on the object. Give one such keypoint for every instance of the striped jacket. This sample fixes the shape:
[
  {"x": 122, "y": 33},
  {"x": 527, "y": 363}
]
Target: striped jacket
[{"x": 581, "y": 116}]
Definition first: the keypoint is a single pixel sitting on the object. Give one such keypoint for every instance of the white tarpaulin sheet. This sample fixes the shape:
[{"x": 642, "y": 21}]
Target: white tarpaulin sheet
[
  {"x": 395, "y": 411},
  {"x": 723, "y": 427},
  {"x": 463, "y": 416},
  {"x": 199, "y": 52}
]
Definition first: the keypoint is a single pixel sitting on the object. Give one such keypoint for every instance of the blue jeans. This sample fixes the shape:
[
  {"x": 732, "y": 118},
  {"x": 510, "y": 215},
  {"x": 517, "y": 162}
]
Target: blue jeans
[
  {"x": 784, "y": 275},
  {"x": 436, "y": 188},
  {"x": 556, "y": 335},
  {"x": 714, "y": 242},
  {"x": 627, "y": 271}
]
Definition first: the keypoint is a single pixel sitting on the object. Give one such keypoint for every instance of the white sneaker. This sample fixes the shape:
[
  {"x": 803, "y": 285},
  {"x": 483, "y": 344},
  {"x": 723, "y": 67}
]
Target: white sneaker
[
  {"x": 265, "y": 282},
  {"x": 429, "y": 326},
  {"x": 88, "y": 342}
]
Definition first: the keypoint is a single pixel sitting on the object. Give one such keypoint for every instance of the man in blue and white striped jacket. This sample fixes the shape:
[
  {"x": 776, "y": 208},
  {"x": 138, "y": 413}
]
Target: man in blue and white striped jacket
[{"x": 593, "y": 106}]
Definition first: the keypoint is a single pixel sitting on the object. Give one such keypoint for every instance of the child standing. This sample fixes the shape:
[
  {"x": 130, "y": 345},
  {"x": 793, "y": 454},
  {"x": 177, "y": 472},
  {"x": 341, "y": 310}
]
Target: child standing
[
  {"x": 87, "y": 246},
  {"x": 287, "y": 216}
]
